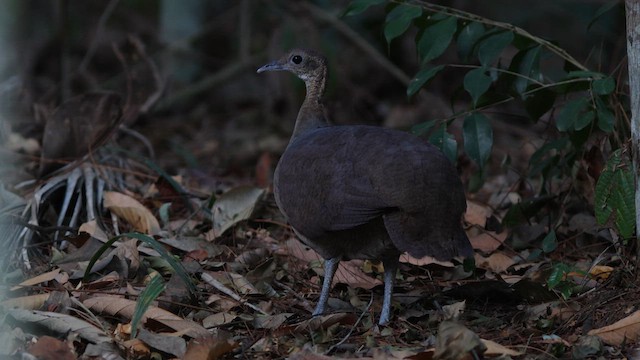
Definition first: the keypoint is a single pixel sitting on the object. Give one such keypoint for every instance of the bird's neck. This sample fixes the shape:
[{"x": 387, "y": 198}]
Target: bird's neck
[{"x": 312, "y": 114}]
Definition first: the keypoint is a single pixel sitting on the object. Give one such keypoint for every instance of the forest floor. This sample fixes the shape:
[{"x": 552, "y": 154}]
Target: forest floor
[{"x": 208, "y": 255}]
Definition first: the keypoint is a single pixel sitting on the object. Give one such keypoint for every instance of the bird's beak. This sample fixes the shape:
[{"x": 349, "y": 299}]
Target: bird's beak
[{"x": 272, "y": 66}]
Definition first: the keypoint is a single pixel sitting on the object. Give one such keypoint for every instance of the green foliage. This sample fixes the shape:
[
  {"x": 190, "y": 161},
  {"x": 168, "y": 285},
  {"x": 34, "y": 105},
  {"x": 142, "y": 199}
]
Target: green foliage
[
  {"x": 490, "y": 47},
  {"x": 155, "y": 287},
  {"x": 477, "y": 82},
  {"x": 445, "y": 142},
  {"x": 615, "y": 195},
  {"x": 155, "y": 245},
  {"x": 579, "y": 99},
  {"x": 422, "y": 78},
  {"x": 478, "y": 138},
  {"x": 558, "y": 281},
  {"x": 358, "y": 6},
  {"x": 550, "y": 242},
  {"x": 399, "y": 19},
  {"x": 435, "y": 39}
]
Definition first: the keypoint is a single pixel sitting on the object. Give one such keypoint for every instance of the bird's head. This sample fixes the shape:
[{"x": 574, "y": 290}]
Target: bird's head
[{"x": 308, "y": 65}]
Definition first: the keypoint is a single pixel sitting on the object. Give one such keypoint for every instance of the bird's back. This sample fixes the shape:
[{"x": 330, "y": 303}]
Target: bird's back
[{"x": 363, "y": 191}]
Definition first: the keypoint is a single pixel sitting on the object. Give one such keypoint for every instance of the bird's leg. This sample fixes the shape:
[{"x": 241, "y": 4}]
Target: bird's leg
[
  {"x": 390, "y": 267},
  {"x": 330, "y": 266}
]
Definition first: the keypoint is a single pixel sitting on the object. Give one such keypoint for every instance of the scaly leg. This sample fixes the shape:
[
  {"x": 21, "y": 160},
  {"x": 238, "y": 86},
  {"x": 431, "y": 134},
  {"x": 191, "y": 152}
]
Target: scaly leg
[
  {"x": 330, "y": 266},
  {"x": 390, "y": 268}
]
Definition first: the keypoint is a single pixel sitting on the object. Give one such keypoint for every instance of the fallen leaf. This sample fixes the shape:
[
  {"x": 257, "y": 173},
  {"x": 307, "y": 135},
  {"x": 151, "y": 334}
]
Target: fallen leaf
[
  {"x": 624, "y": 330},
  {"x": 218, "y": 319},
  {"x": 30, "y": 302},
  {"x": 234, "y": 206},
  {"x": 350, "y": 273},
  {"x": 497, "y": 262},
  {"x": 455, "y": 342},
  {"x": 131, "y": 210},
  {"x": 477, "y": 214},
  {"x": 493, "y": 348},
  {"x": 488, "y": 241},
  {"x": 425, "y": 260},
  {"x": 174, "y": 345},
  {"x": 50, "y": 348},
  {"x": 210, "y": 347},
  {"x": 48, "y": 276},
  {"x": 125, "y": 308},
  {"x": 61, "y": 323}
]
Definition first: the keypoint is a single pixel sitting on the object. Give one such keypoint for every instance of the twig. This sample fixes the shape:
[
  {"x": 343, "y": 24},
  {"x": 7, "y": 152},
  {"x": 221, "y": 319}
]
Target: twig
[
  {"x": 225, "y": 290},
  {"x": 106, "y": 14},
  {"x": 333, "y": 347}
]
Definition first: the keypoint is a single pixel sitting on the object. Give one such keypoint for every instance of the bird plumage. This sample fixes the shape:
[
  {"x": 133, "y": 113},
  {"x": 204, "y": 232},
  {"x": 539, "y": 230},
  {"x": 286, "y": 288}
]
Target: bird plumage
[{"x": 364, "y": 192}]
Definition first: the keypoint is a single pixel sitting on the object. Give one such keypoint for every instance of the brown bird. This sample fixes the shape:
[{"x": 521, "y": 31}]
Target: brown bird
[{"x": 364, "y": 192}]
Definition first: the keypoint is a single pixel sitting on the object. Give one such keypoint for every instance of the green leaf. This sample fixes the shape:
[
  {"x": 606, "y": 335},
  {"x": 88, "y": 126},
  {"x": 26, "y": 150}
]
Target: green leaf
[
  {"x": 557, "y": 275},
  {"x": 445, "y": 142},
  {"x": 624, "y": 203},
  {"x": 155, "y": 245},
  {"x": 436, "y": 38},
  {"x": 358, "y": 6},
  {"x": 569, "y": 115},
  {"x": 147, "y": 296},
  {"x": 422, "y": 78},
  {"x": 550, "y": 242},
  {"x": 606, "y": 119},
  {"x": 399, "y": 19},
  {"x": 478, "y": 138},
  {"x": 477, "y": 82},
  {"x": 603, "y": 86},
  {"x": 491, "y": 47},
  {"x": 614, "y": 200},
  {"x": 467, "y": 38},
  {"x": 423, "y": 128},
  {"x": 584, "y": 120},
  {"x": 539, "y": 103},
  {"x": 528, "y": 65}
]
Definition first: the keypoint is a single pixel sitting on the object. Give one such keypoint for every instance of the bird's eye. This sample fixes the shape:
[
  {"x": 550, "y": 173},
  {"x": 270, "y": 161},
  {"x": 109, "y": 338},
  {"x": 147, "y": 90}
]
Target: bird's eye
[{"x": 297, "y": 59}]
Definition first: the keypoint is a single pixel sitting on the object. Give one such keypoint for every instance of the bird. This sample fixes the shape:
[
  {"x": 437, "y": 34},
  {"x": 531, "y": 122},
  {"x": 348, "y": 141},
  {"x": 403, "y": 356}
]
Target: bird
[{"x": 361, "y": 191}]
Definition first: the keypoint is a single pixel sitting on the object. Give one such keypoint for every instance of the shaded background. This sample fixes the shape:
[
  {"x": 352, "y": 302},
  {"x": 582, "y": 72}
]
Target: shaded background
[{"x": 216, "y": 117}]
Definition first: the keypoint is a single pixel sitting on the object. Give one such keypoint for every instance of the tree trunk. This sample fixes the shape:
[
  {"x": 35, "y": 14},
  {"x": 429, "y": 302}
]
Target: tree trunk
[{"x": 633, "y": 53}]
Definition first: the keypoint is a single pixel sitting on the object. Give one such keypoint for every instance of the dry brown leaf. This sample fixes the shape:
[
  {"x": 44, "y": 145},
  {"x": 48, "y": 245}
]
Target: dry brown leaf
[
  {"x": 50, "y": 348},
  {"x": 488, "y": 241},
  {"x": 455, "y": 342},
  {"x": 92, "y": 228},
  {"x": 125, "y": 308},
  {"x": 295, "y": 248},
  {"x": 31, "y": 302},
  {"x": 207, "y": 348},
  {"x": 350, "y": 273},
  {"x": 625, "y": 330},
  {"x": 234, "y": 206},
  {"x": 137, "y": 348},
  {"x": 270, "y": 321},
  {"x": 477, "y": 214},
  {"x": 218, "y": 319},
  {"x": 497, "y": 262},
  {"x": 493, "y": 348},
  {"x": 48, "y": 276},
  {"x": 425, "y": 260},
  {"x": 131, "y": 210}
]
